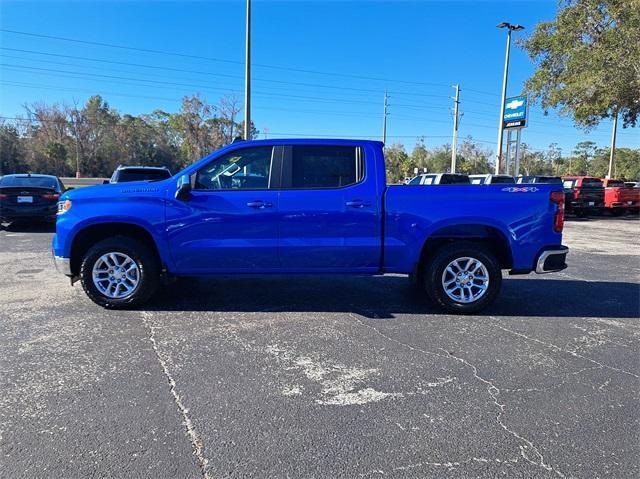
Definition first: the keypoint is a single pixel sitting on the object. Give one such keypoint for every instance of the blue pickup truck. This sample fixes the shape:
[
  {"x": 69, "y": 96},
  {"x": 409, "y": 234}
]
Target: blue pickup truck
[{"x": 305, "y": 207}]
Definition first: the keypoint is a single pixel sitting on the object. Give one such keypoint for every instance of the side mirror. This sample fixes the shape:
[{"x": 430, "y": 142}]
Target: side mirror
[{"x": 184, "y": 188}]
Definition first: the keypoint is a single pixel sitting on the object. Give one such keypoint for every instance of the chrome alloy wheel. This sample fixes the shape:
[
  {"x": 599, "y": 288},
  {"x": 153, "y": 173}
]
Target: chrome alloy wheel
[
  {"x": 465, "y": 280},
  {"x": 116, "y": 275}
]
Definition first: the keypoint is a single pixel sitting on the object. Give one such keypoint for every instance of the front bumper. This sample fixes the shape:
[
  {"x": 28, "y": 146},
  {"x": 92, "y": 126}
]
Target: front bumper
[
  {"x": 9, "y": 213},
  {"x": 552, "y": 260},
  {"x": 63, "y": 265}
]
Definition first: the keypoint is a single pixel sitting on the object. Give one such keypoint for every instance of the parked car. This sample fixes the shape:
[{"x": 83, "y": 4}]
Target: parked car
[
  {"x": 439, "y": 179},
  {"x": 313, "y": 206},
  {"x": 619, "y": 198},
  {"x": 491, "y": 179},
  {"x": 124, "y": 174},
  {"x": 29, "y": 197},
  {"x": 588, "y": 195}
]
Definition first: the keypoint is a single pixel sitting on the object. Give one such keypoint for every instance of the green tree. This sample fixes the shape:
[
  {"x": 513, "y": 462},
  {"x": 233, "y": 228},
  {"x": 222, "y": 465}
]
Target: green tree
[
  {"x": 12, "y": 158},
  {"x": 472, "y": 158},
  {"x": 56, "y": 157},
  {"x": 627, "y": 164},
  {"x": 588, "y": 61},
  {"x": 396, "y": 161}
]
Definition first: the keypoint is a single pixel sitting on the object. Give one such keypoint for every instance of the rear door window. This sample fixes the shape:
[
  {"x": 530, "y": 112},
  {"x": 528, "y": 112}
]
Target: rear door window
[{"x": 325, "y": 166}]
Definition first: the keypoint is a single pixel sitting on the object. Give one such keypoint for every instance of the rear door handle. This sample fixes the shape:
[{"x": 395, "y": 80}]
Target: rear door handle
[
  {"x": 358, "y": 203},
  {"x": 259, "y": 204}
]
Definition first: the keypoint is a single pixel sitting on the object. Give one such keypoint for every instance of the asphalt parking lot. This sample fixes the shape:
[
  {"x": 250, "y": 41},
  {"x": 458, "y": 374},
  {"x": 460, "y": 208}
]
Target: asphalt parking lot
[{"x": 324, "y": 377}]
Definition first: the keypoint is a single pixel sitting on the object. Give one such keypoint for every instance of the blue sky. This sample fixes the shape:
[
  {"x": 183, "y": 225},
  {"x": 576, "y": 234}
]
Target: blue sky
[{"x": 320, "y": 68}]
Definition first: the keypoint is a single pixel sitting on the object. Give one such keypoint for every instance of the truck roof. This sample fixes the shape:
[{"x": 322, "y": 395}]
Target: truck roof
[{"x": 309, "y": 141}]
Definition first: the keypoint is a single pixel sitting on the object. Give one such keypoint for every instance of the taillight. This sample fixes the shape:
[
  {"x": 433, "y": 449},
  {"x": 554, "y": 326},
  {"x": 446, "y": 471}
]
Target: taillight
[
  {"x": 557, "y": 197},
  {"x": 51, "y": 197},
  {"x": 3, "y": 196}
]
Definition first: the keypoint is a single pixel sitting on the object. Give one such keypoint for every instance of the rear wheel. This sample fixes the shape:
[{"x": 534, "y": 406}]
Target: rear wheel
[
  {"x": 463, "y": 277},
  {"x": 120, "y": 273}
]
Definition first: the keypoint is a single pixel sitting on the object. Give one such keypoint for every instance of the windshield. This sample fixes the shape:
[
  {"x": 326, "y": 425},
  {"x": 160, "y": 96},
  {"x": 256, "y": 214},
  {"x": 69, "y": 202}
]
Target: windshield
[
  {"x": 615, "y": 183},
  {"x": 415, "y": 181},
  {"x": 591, "y": 183},
  {"x": 29, "y": 181},
  {"x": 142, "y": 175},
  {"x": 554, "y": 180},
  {"x": 454, "y": 180},
  {"x": 502, "y": 180}
]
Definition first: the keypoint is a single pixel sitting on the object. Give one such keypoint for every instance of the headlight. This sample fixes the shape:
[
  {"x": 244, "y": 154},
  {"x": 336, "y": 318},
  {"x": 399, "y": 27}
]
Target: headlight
[{"x": 64, "y": 206}]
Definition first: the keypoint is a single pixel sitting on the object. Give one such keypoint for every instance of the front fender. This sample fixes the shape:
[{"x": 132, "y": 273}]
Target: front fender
[{"x": 147, "y": 212}]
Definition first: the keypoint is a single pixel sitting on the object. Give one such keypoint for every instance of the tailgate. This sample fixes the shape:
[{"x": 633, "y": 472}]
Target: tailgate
[{"x": 591, "y": 195}]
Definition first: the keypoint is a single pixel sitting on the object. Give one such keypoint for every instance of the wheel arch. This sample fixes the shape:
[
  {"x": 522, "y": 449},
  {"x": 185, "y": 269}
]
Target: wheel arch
[
  {"x": 490, "y": 236},
  {"x": 93, "y": 233}
]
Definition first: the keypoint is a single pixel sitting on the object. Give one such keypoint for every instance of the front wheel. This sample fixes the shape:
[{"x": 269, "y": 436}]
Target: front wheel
[
  {"x": 463, "y": 277},
  {"x": 120, "y": 273}
]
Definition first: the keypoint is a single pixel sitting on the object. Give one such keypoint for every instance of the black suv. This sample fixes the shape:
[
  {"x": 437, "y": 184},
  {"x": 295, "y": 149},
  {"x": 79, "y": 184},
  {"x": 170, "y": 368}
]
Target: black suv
[{"x": 125, "y": 174}]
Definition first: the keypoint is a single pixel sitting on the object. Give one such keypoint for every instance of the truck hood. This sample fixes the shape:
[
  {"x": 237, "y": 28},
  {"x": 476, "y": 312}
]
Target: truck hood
[{"x": 117, "y": 190}]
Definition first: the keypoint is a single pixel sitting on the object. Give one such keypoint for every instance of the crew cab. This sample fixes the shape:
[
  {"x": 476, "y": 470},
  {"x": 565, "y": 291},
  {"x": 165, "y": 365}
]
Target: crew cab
[
  {"x": 305, "y": 207},
  {"x": 588, "y": 194},
  {"x": 618, "y": 197}
]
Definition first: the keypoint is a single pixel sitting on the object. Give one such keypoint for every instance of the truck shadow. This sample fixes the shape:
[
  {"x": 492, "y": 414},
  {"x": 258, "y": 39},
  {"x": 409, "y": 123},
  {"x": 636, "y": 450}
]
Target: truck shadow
[
  {"x": 29, "y": 227},
  {"x": 385, "y": 297}
]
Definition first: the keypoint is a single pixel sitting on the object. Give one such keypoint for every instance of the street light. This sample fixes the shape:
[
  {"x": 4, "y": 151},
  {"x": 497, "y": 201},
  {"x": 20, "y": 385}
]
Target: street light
[{"x": 510, "y": 28}]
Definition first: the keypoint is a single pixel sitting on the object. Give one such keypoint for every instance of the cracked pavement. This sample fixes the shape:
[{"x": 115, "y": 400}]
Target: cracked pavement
[{"x": 324, "y": 376}]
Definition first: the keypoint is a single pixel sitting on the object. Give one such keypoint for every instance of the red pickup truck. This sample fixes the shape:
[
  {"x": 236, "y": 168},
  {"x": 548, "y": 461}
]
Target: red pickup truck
[
  {"x": 588, "y": 195},
  {"x": 619, "y": 198}
]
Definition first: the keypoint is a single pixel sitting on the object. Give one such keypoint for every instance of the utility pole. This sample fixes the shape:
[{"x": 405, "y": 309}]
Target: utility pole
[
  {"x": 613, "y": 143},
  {"x": 247, "y": 76},
  {"x": 505, "y": 77},
  {"x": 455, "y": 128},
  {"x": 384, "y": 117}
]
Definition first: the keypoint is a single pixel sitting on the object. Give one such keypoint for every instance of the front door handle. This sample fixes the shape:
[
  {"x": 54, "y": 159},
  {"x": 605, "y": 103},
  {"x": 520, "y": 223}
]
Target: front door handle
[
  {"x": 259, "y": 204},
  {"x": 358, "y": 203}
]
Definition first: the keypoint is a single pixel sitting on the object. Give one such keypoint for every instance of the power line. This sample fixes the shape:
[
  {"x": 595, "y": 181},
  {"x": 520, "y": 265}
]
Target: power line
[
  {"x": 197, "y": 72},
  {"x": 73, "y": 74},
  {"x": 199, "y": 57}
]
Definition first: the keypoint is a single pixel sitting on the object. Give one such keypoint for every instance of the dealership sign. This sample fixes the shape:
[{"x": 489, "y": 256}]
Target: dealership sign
[{"x": 515, "y": 112}]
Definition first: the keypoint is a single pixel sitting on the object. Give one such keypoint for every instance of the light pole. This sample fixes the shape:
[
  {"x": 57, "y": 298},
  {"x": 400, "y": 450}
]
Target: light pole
[
  {"x": 454, "y": 142},
  {"x": 612, "y": 151},
  {"x": 510, "y": 28},
  {"x": 247, "y": 76},
  {"x": 384, "y": 117}
]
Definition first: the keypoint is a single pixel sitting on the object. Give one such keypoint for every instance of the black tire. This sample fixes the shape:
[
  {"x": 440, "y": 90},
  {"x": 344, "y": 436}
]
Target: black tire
[
  {"x": 146, "y": 261},
  {"x": 617, "y": 212},
  {"x": 436, "y": 265}
]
